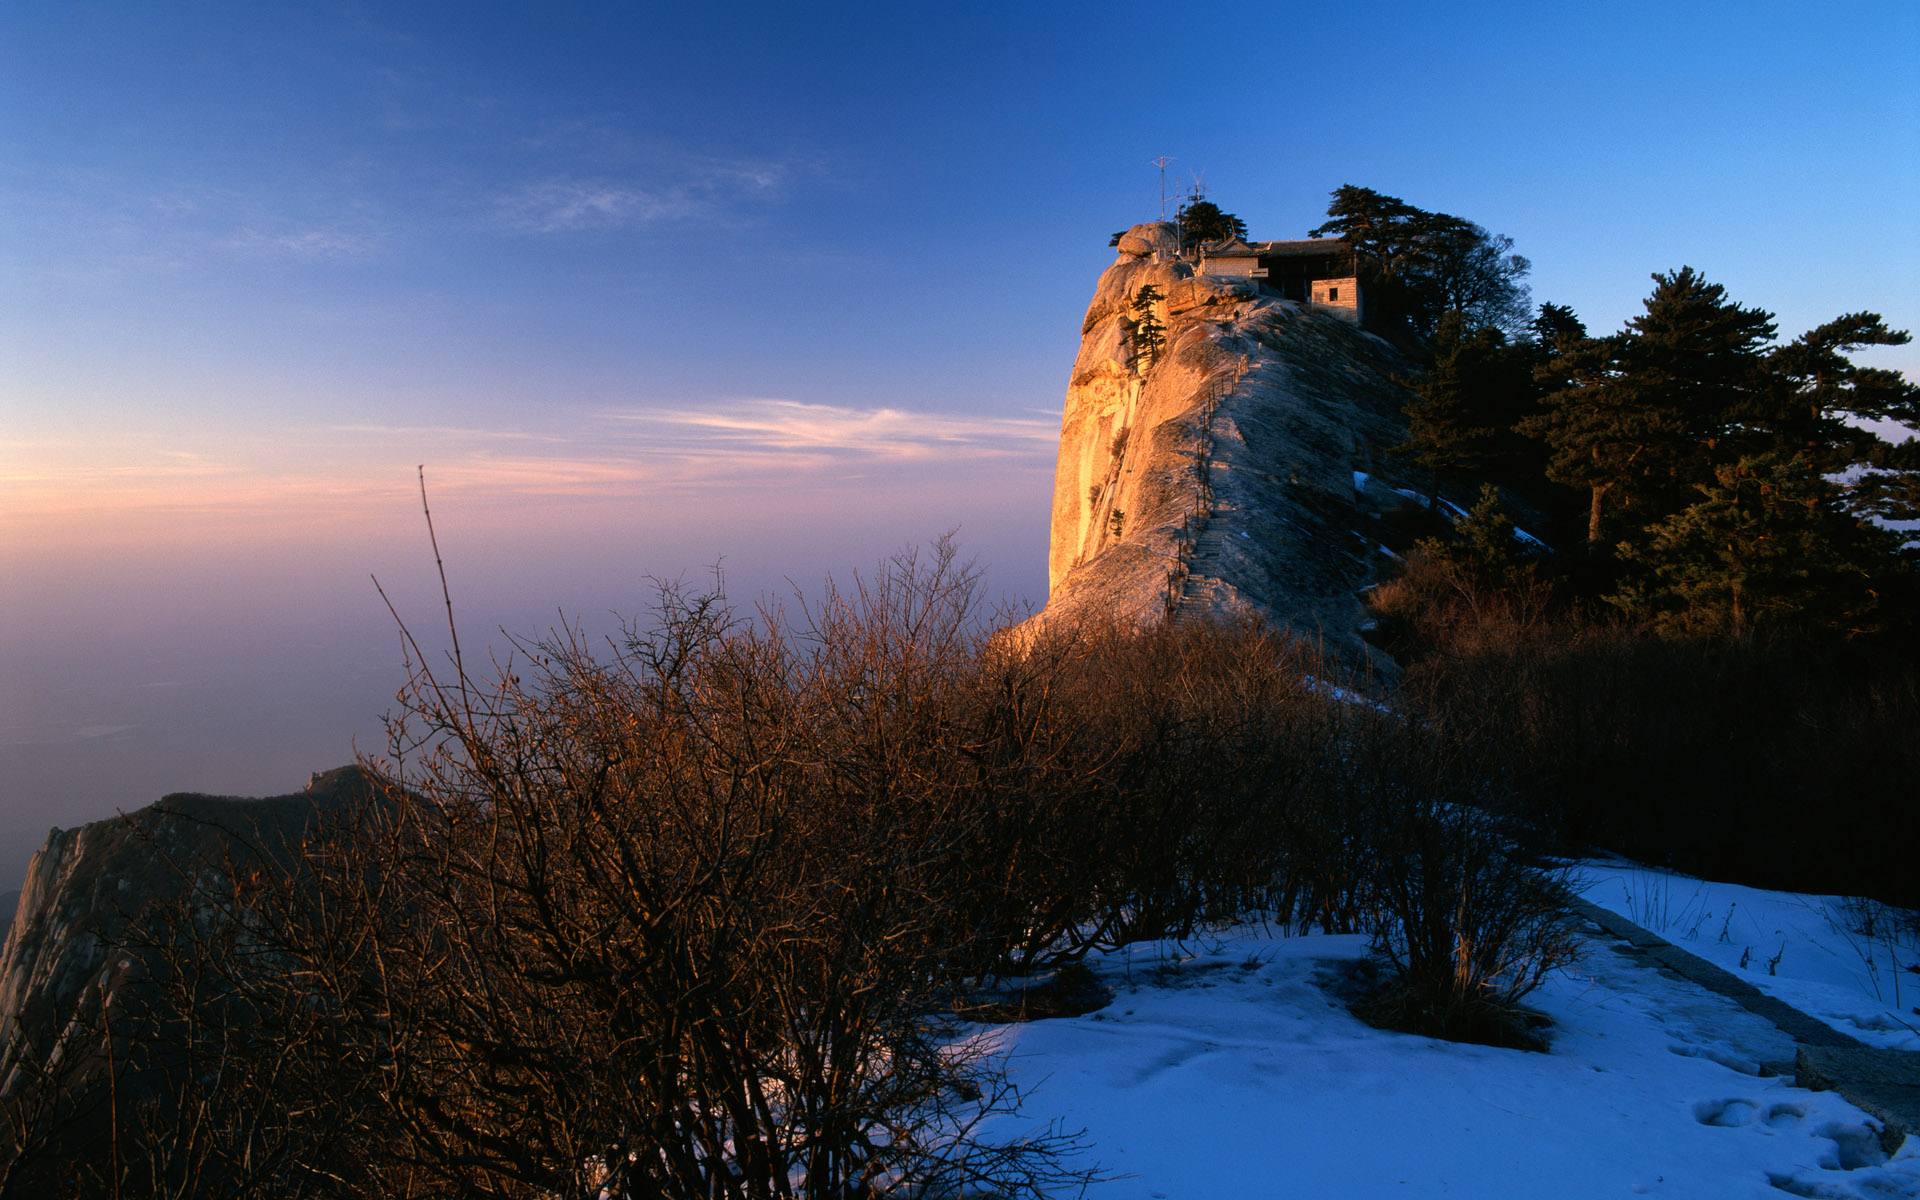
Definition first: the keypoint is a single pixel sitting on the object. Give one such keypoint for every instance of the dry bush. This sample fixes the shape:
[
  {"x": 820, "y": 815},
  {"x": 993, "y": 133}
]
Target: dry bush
[
  {"x": 1468, "y": 924},
  {"x": 1712, "y": 756},
  {"x": 1207, "y": 732},
  {"x": 1248, "y": 781},
  {"x": 673, "y": 920},
  {"x": 686, "y": 915},
  {"x": 680, "y": 916},
  {"x": 1436, "y": 605}
]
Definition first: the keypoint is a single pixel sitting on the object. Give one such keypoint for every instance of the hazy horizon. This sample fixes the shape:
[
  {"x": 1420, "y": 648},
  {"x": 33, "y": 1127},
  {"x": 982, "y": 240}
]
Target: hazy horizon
[{"x": 786, "y": 291}]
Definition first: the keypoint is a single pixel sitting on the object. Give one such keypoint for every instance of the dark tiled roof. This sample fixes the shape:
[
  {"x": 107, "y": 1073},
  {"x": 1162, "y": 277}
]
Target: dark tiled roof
[
  {"x": 1231, "y": 248},
  {"x": 1300, "y": 248}
]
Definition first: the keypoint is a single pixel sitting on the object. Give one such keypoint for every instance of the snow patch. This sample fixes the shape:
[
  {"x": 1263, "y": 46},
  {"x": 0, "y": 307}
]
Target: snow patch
[
  {"x": 1850, "y": 962},
  {"x": 1229, "y": 1065}
]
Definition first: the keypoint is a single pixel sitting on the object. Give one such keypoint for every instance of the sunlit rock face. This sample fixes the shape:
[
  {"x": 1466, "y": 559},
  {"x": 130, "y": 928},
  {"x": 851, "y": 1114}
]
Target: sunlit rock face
[
  {"x": 64, "y": 962},
  {"x": 1247, "y": 467}
]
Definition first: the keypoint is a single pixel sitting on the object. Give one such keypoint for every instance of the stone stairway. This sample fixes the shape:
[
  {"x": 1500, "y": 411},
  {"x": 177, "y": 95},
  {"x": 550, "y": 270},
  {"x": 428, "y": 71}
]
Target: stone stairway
[{"x": 1204, "y": 595}]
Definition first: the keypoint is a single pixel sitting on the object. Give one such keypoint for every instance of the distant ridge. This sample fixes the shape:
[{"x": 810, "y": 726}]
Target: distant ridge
[{"x": 87, "y": 884}]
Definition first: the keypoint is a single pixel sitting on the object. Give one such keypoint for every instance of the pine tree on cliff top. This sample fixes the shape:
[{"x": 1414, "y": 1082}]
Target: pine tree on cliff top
[{"x": 1202, "y": 221}]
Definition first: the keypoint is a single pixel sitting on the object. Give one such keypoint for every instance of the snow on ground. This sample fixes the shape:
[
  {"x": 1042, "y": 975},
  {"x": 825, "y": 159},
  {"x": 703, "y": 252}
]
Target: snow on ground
[
  {"x": 1232, "y": 1067},
  {"x": 1814, "y": 952},
  {"x": 1453, "y": 509}
]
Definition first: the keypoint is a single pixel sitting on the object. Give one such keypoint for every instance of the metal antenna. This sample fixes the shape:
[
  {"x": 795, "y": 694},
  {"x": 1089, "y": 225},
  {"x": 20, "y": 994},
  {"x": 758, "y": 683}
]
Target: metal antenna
[{"x": 1162, "y": 162}]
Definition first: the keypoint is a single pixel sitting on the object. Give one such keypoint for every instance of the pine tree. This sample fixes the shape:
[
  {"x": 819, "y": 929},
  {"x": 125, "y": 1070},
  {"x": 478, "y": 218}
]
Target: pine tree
[
  {"x": 1767, "y": 546},
  {"x": 1485, "y": 548},
  {"x": 1420, "y": 264},
  {"x": 1646, "y": 415},
  {"x": 1556, "y": 327},
  {"x": 1470, "y": 399},
  {"x": 1202, "y": 221},
  {"x": 1149, "y": 336},
  {"x": 1380, "y": 228},
  {"x": 1817, "y": 395},
  {"x": 1815, "y": 384}
]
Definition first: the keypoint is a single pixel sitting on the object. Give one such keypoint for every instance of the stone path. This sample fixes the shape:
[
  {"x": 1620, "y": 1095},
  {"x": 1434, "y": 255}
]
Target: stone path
[
  {"x": 1203, "y": 595},
  {"x": 1885, "y": 1083}
]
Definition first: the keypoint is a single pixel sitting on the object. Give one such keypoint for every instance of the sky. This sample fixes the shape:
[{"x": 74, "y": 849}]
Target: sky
[{"x": 649, "y": 290}]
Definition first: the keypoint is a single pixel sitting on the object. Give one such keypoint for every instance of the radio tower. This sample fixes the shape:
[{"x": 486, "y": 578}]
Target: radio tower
[{"x": 1162, "y": 162}]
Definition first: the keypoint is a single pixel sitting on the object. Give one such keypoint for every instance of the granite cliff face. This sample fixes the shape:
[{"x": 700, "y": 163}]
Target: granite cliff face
[
  {"x": 1244, "y": 468},
  {"x": 63, "y": 964}
]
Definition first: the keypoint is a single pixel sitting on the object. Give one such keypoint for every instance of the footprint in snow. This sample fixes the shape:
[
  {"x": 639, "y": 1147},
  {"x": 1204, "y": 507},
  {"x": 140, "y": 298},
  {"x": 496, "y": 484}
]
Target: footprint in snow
[
  {"x": 1868, "y": 1185},
  {"x": 1854, "y": 1146},
  {"x": 1856, "y": 1168},
  {"x": 1853, "y": 1167},
  {"x": 1172, "y": 1059},
  {"x": 1780, "y": 1116},
  {"x": 1728, "y": 1114}
]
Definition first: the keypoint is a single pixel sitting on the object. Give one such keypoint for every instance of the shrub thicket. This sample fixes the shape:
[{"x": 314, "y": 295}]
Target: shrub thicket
[
  {"x": 691, "y": 917},
  {"x": 1766, "y": 760}
]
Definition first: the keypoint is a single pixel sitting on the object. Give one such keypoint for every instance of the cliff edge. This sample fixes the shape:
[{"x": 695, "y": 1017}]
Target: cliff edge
[
  {"x": 1244, "y": 468},
  {"x": 64, "y": 962}
]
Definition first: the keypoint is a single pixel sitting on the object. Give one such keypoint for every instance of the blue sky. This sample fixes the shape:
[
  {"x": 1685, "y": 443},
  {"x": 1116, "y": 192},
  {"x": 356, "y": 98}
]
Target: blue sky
[{"x": 651, "y": 287}]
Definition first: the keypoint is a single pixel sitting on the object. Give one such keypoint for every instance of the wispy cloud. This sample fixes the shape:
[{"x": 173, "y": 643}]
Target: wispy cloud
[
  {"x": 313, "y": 243},
  {"x": 745, "y": 444},
  {"x": 103, "y": 224},
  {"x": 454, "y": 432},
  {"x": 325, "y": 472},
  {"x": 788, "y": 426},
  {"x": 581, "y": 203}
]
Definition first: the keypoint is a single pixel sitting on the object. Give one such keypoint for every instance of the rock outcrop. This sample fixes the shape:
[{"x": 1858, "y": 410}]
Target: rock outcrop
[
  {"x": 63, "y": 963},
  {"x": 1244, "y": 468}
]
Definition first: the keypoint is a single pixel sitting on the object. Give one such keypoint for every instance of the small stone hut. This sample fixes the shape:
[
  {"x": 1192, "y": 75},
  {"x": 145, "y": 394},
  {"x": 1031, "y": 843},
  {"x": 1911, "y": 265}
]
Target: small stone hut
[{"x": 1317, "y": 271}]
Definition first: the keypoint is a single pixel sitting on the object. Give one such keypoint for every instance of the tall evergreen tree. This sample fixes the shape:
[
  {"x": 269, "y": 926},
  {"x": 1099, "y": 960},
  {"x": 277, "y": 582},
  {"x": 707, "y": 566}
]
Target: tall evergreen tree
[
  {"x": 1422, "y": 264},
  {"x": 1767, "y": 546},
  {"x": 1817, "y": 400},
  {"x": 1556, "y": 327},
  {"x": 1815, "y": 387},
  {"x": 1469, "y": 401},
  {"x": 1485, "y": 549},
  {"x": 1644, "y": 416},
  {"x": 1380, "y": 228}
]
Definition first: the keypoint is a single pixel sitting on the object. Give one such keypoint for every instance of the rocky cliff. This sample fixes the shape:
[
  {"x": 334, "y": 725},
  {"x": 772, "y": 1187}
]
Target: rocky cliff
[
  {"x": 1246, "y": 467},
  {"x": 64, "y": 964}
]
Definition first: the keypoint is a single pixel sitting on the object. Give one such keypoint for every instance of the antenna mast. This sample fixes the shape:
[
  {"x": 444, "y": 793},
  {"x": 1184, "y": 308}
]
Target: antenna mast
[{"x": 1162, "y": 162}]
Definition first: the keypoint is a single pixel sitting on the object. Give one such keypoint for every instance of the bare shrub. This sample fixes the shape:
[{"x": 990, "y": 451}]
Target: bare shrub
[
  {"x": 687, "y": 915},
  {"x": 680, "y": 917},
  {"x": 1448, "y": 606},
  {"x": 1211, "y": 726},
  {"x": 1469, "y": 927},
  {"x": 1695, "y": 754}
]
